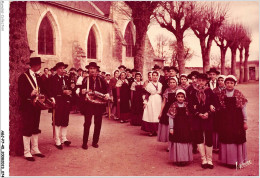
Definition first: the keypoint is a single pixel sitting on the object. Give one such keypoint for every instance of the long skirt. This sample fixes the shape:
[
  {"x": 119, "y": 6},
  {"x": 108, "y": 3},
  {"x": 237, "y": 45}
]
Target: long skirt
[
  {"x": 180, "y": 152},
  {"x": 232, "y": 153},
  {"x": 163, "y": 133},
  {"x": 149, "y": 126}
]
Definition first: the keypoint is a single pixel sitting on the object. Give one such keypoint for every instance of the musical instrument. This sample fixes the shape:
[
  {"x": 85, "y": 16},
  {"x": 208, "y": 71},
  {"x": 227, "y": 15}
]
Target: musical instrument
[
  {"x": 96, "y": 97},
  {"x": 40, "y": 102}
]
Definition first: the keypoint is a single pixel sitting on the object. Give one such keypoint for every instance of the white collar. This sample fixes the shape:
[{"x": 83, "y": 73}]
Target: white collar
[{"x": 32, "y": 73}]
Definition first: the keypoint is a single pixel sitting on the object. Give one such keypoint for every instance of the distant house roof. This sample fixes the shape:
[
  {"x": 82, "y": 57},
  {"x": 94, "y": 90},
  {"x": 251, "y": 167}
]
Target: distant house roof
[
  {"x": 255, "y": 62},
  {"x": 84, "y": 7}
]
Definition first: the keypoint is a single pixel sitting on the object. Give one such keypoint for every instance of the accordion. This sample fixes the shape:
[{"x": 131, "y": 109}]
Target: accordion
[{"x": 96, "y": 97}]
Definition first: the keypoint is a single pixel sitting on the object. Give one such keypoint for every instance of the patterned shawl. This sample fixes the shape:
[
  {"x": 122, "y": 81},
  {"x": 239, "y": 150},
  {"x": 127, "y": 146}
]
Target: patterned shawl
[
  {"x": 240, "y": 98},
  {"x": 200, "y": 94},
  {"x": 173, "y": 109}
]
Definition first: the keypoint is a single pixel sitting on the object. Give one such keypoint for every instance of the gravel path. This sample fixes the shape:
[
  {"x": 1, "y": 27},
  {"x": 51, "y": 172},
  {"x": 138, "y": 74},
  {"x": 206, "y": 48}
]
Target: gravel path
[{"x": 126, "y": 150}]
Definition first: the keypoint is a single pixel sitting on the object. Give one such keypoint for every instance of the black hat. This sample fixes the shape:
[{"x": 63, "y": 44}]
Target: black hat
[
  {"x": 35, "y": 61},
  {"x": 174, "y": 68},
  {"x": 60, "y": 64},
  {"x": 129, "y": 70},
  {"x": 213, "y": 70},
  {"x": 134, "y": 70},
  {"x": 92, "y": 64},
  {"x": 156, "y": 67},
  {"x": 193, "y": 73},
  {"x": 122, "y": 66},
  {"x": 79, "y": 69},
  {"x": 166, "y": 68},
  {"x": 202, "y": 76},
  {"x": 53, "y": 68}
]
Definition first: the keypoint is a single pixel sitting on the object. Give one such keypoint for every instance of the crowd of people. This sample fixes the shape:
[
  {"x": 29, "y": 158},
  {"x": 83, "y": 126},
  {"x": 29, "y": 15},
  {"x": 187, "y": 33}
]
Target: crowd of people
[{"x": 196, "y": 112}]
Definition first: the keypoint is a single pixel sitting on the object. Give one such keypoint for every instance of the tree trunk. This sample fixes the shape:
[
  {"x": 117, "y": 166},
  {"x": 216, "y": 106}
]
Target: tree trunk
[
  {"x": 245, "y": 64},
  {"x": 240, "y": 65},
  {"x": 233, "y": 60},
  {"x": 19, "y": 55},
  {"x": 223, "y": 60},
  {"x": 180, "y": 55},
  {"x": 140, "y": 45}
]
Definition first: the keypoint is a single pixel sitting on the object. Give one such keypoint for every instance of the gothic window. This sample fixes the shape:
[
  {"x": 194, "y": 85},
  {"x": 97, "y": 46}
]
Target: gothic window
[
  {"x": 45, "y": 38},
  {"x": 92, "y": 47},
  {"x": 129, "y": 41}
]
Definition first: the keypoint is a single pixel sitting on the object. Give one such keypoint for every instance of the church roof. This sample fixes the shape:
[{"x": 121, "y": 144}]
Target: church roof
[{"x": 91, "y": 8}]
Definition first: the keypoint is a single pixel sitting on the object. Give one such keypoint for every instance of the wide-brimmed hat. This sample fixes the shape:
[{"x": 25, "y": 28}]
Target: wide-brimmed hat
[
  {"x": 35, "y": 61},
  {"x": 174, "y": 68},
  {"x": 60, "y": 64},
  {"x": 193, "y": 73},
  {"x": 213, "y": 69},
  {"x": 122, "y": 66},
  {"x": 166, "y": 68},
  {"x": 202, "y": 76},
  {"x": 92, "y": 64},
  {"x": 156, "y": 67}
]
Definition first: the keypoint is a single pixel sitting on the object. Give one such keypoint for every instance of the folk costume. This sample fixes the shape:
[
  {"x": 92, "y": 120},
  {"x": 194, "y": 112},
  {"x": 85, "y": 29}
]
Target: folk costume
[
  {"x": 232, "y": 135},
  {"x": 123, "y": 93},
  {"x": 163, "y": 128},
  {"x": 137, "y": 103},
  {"x": 200, "y": 102},
  {"x": 217, "y": 91},
  {"x": 153, "y": 107},
  {"x": 59, "y": 83},
  {"x": 92, "y": 109},
  {"x": 213, "y": 83},
  {"x": 112, "y": 86},
  {"x": 180, "y": 141},
  {"x": 27, "y": 82}
]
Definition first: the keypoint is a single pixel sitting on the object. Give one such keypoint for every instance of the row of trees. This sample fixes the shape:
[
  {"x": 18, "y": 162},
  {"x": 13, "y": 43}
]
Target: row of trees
[{"x": 208, "y": 21}]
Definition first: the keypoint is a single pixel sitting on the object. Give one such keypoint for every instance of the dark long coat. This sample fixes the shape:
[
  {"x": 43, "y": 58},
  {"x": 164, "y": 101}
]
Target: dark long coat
[
  {"x": 30, "y": 113},
  {"x": 63, "y": 102}
]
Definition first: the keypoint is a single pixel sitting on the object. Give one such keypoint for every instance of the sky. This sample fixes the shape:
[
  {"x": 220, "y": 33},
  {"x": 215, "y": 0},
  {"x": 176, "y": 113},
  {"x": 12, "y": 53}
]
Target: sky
[{"x": 244, "y": 12}]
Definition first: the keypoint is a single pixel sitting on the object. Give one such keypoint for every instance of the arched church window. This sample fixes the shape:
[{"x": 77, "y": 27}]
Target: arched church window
[
  {"x": 92, "y": 46},
  {"x": 129, "y": 41},
  {"x": 45, "y": 37}
]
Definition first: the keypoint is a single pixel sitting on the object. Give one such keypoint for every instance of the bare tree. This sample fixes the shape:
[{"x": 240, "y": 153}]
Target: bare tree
[
  {"x": 241, "y": 49},
  {"x": 247, "y": 42},
  {"x": 235, "y": 37},
  {"x": 176, "y": 17},
  {"x": 209, "y": 19},
  {"x": 141, "y": 15},
  {"x": 19, "y": 55},
  {"x": 215, "y": 62},
  {"x": 188, "y": 53},
  {"x": 221, "y": 41},
  {"x": 162, "y": 46}
]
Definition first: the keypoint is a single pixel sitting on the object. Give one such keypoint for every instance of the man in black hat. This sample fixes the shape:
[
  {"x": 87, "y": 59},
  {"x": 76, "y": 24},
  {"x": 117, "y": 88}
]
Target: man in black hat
[
  {"x": 164, "y": 78},
  {"x": 60, "y": 92},
  {"x": 173, "y": 71},
  {"x": 122, "y": 68},
  {"x": 201, "y": 105},
  {"x": 213, "y": 77},
  {"x": 129, "y": 77},
  {"x": 29, "y": 87},
  {"x": 93, "y": 83},
  {"x": 156, "y": 68}
]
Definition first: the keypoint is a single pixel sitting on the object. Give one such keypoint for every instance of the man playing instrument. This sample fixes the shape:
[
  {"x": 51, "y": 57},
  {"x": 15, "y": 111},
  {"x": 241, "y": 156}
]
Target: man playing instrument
[
  {"x": 91, "y": 84},
  {"x": 60, "y": 92},
  {"x": 29, "y": 88}
]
